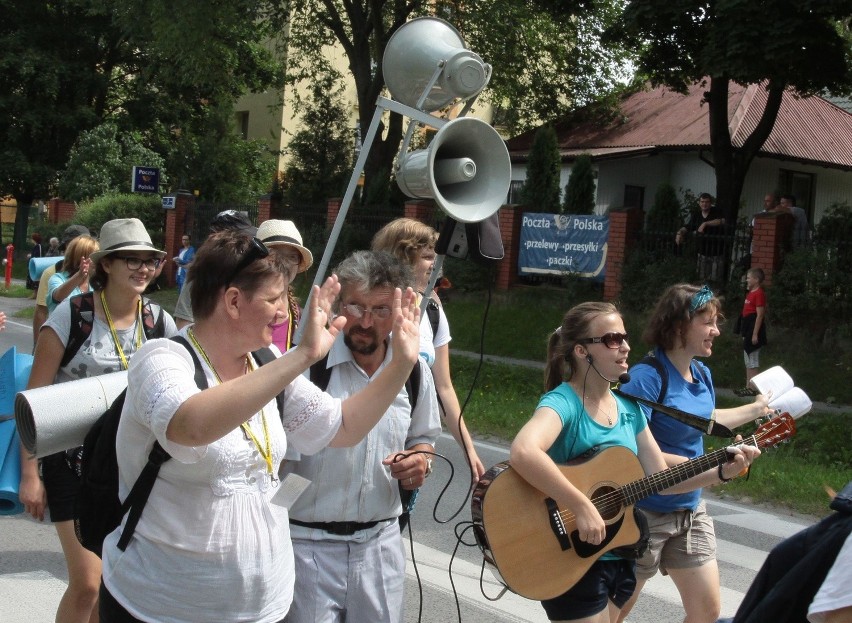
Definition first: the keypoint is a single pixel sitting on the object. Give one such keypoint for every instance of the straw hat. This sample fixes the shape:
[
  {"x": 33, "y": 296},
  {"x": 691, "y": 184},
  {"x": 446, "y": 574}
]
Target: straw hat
[
  {"x": 124, "y": 234},
  {"x": 275, "y": 233}
]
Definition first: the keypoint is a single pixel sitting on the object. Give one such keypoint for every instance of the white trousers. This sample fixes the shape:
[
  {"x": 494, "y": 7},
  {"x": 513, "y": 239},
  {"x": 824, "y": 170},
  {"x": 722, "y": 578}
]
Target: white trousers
[{"x": 344, "y": 581}]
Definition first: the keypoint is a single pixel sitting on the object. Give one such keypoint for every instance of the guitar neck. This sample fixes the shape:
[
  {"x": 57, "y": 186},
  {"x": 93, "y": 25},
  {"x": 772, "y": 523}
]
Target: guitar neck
[{"x": 644, "y": 487}]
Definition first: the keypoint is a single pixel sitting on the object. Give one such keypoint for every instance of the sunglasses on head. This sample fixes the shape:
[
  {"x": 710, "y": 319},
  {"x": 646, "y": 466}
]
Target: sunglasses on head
[
  {"x": 255, "y": 251},
  {"x": 610, "y": 340}
]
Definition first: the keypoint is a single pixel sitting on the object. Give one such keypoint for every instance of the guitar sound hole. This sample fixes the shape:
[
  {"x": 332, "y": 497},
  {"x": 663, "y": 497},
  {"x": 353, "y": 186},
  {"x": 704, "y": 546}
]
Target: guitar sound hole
[{"x": 608, "y": 501}]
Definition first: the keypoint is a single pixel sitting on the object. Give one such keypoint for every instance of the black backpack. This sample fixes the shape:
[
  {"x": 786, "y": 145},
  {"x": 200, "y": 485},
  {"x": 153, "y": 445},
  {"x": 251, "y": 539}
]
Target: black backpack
[
  {"x": 99, "y": 510},
  {"x": 663, "y": 373},
  {"x": 320, "y": 374},
  {"x": 83, "y": 317}
]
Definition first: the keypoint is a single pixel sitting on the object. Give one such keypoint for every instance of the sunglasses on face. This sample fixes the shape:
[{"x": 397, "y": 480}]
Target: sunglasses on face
[
  {"x": 135, "y": 263},
  {"x": 610, "y": 340},
  {"x": 256, "y": 251},
  {"x": 358, "y": 311}
]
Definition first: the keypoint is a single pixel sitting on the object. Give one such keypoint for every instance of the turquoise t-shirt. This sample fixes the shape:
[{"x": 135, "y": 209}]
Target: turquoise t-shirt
[{"x": 580, "y": 432}]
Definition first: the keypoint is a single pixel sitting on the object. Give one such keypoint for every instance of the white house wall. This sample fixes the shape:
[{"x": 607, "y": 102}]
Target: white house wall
[{"x": 687, "y": 172}]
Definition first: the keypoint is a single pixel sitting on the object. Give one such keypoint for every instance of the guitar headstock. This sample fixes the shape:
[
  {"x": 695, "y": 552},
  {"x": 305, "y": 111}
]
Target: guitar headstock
[{"x": 774, "y": 431}]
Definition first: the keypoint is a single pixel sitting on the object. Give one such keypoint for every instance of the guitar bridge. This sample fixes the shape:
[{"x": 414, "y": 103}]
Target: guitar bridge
[{"x": 557, "y": 525}]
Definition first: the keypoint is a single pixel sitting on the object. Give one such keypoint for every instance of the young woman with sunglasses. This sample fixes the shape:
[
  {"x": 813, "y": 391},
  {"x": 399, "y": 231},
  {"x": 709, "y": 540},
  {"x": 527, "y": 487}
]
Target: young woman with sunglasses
[
  {"x": 681, "y": 328},
  {"x": 577, "y": 416},
  {"x": 123, "y": 268},
  {"x": 213, "y": 543}
]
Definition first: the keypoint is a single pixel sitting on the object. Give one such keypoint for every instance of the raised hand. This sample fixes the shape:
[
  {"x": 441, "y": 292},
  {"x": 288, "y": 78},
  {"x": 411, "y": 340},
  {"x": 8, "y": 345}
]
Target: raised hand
[
  {"x": 405, "y": 338},
  {"x": 320, "y": 328}
]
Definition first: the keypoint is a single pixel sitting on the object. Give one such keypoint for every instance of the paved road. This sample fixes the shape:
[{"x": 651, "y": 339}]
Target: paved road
[{"x": 33, "y": 575}]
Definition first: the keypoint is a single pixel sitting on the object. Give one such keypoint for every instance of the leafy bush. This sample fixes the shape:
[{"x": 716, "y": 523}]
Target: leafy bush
[
  {"x": 147, "y": 208},
  {"x": 541, "y": 189},
  {"x": 101, "y": 162},
  {"x": 580, "y": 190}
]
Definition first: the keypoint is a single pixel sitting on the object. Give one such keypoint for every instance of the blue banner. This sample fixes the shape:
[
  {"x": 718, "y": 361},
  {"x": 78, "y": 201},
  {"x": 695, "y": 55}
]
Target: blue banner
[{"x": 559, "y": 244}]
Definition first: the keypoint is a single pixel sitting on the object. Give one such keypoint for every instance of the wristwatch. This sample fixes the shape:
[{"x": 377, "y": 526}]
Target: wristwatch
[{"x": 428, "y": 467}]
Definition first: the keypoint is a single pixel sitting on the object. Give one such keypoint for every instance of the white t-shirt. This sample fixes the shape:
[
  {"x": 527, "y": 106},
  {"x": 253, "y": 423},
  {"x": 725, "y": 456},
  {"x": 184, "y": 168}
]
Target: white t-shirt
[
  {"x": 836, "y": 590},
  {"x": 209, "y": 545},
  {"x": 97, "y": 355},
  {"x": 429, "y": 342}
]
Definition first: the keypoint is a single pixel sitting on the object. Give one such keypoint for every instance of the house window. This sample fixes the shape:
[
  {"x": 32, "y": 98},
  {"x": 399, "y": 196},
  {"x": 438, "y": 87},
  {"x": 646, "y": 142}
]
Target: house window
[
  {"x": 515, "y": 187},
  {"x": 242, "y": 119},
  {"x": 801, "y": 185},
  {"x": 634, "y": 197}
]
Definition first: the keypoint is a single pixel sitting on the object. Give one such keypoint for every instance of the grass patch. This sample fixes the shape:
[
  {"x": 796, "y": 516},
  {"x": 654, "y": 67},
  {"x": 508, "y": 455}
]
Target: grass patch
[
  {"x": 16, "y": 292},
  {"x": 520, "y": 320},
  {"x": 26, "y": 313}
]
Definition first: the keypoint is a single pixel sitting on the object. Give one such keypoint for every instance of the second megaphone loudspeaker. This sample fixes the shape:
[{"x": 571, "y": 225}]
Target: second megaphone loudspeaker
[{"x": 465, "y": 169}]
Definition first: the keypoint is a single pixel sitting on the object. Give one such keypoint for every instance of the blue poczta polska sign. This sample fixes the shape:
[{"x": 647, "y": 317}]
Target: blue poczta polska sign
[
  {"x": 145, "y": 180},
  {"x": 558, "y": 244}
]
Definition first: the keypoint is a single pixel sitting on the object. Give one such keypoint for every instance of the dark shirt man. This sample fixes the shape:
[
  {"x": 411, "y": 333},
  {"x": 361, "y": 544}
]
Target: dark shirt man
[{"x": 708, "y": 225}]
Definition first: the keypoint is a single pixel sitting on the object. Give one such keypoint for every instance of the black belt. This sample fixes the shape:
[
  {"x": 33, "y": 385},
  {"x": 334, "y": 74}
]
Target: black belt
[{"x": 341, "y": 528}]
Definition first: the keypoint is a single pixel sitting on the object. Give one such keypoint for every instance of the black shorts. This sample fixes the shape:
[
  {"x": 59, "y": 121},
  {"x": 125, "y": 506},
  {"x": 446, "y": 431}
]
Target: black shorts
[
  {"x": 605, "y": 581},
  {"x": 61, "y": 484}
]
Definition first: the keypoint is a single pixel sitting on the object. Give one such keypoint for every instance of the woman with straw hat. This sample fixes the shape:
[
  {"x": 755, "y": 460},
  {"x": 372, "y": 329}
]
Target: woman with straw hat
[
  {"x": 282, "y": 238},
  {"x": 118, "y": 322}
]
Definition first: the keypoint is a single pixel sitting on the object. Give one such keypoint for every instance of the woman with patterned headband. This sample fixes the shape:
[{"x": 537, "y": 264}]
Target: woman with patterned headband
[{"x": 682, "y": 327}]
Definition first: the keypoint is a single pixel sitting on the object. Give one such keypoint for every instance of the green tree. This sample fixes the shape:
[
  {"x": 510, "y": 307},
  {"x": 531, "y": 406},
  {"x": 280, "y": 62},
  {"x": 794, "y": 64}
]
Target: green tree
[
  {"x": 665, "y": 214},
  {"x": 320, "y": 150},
  {"x": 55, "y": 69},
  {"x": 580, "y": 190},
  {"x": 803, "y": 45},
  {"x": 541, "y": 188},
  {"x": 100, "y": 162}
]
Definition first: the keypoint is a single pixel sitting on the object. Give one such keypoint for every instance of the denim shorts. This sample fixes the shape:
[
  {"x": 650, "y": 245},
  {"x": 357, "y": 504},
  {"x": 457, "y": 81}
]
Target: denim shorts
[{"x": 605, "y": 581}]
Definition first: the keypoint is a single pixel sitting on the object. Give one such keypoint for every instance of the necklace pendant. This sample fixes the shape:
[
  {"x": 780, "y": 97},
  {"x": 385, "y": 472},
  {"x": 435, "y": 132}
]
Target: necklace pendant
[{"x": 273, "y": 480}]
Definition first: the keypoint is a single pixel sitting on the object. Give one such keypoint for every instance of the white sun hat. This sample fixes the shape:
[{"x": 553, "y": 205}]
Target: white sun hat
[
  {"x": 276, "y": 233},
  {"x": 124, "y": 234}
]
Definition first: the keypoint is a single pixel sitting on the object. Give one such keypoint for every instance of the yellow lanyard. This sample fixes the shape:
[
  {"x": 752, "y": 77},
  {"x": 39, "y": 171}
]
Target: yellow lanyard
[
  {"x": 112, "y": 330},
  {"x": 265, "y": 450}
]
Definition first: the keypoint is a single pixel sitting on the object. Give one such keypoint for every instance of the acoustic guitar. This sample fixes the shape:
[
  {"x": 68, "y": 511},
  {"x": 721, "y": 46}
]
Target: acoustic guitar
[{"x": 536, "y": 546}]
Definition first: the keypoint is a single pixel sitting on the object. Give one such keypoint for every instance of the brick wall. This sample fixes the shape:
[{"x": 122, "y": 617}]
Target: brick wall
[{"x": 624, "y": 224}]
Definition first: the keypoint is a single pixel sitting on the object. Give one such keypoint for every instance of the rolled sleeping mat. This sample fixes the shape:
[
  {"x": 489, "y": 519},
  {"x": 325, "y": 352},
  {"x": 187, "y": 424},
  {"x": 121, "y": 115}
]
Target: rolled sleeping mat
[
  {"x": 10, "y": 469},
  {"x": 38, "y": 264},
  {"x": 57, "y": 417},
  {"x": 14, "y": 374}
]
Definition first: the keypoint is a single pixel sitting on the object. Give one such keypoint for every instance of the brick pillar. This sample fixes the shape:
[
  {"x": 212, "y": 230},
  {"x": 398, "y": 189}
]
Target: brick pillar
[
  {"x": 510, "y": 232},
  {"x": 422, "y": 210},
  {"x": 178, "y": 222},
  {"x": 624, "y": 224},
  {"x": 771, "y": 240},
  {"x": 264, "y": 208},
  {"x": 61, "y": 211},
  {"x": 332, "y": 210}
]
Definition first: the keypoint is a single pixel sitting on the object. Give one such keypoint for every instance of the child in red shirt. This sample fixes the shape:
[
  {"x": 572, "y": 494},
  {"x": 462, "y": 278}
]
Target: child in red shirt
[{"x": 753, "y": 321}]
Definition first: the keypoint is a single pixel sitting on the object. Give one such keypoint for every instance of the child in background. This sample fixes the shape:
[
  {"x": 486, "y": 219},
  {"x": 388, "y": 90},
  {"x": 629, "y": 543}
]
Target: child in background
[{"x": 753, "y": 321}]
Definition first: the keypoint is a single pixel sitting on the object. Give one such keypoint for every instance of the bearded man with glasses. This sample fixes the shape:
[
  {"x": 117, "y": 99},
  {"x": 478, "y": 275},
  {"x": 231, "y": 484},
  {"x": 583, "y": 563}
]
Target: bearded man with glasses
[{"x": 345, "y": 523}]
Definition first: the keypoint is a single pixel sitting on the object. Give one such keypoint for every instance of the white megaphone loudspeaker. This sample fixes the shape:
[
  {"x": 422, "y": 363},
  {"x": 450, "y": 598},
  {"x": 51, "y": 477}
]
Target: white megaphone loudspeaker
[
  {"x": 417, "y": 50},
  {"x": 466, "y": 170}
]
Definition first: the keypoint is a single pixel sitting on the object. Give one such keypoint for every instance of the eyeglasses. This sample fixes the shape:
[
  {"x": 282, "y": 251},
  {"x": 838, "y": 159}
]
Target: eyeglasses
[
  {"x": 135, "y": 263},
  {"x": 256, "y": 251},
  {"x": 610, "y": 340},
  {"x": 357, "y": 311}
]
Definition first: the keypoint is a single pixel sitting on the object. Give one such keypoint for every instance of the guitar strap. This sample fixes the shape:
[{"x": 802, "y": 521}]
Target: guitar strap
[{"x": 708, "y": 427}]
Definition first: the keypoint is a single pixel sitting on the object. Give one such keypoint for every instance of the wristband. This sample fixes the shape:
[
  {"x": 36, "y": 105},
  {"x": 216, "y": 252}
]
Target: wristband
[{"x": 722, "y": 476}]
